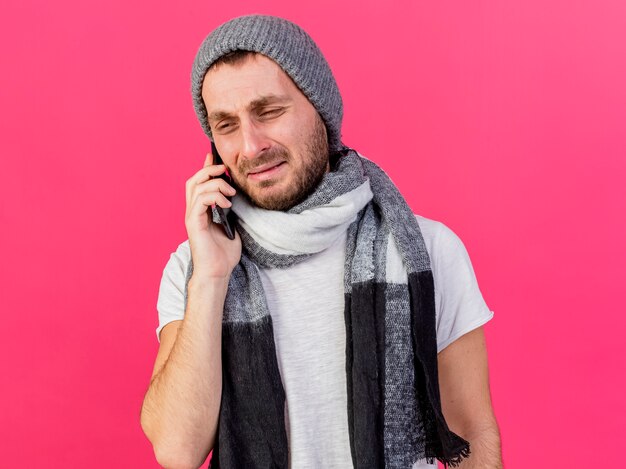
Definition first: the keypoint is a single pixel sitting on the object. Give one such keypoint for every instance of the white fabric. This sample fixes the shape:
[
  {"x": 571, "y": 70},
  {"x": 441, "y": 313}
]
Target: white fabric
[
  {"x": 306, "y": 303},
  {"x": 320, "y": 225}
]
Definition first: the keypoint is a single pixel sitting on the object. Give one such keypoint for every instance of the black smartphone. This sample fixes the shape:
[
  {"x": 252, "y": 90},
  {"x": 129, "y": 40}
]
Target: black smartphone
[{"x": 225, "y": 219}]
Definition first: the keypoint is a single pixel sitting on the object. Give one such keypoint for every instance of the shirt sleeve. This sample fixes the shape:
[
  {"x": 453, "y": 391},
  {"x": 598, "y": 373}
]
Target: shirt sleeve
[
  {"x": 171, "y": 299},
  {"x": 459, "y": 303}
]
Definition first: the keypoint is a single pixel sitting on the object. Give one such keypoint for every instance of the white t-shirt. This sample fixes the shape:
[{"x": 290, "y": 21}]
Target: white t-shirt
[{"x": 306, "y": 302}]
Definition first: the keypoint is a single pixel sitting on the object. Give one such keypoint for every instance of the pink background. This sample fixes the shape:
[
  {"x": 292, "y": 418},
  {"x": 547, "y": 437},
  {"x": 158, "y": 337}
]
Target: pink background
[{"x": 505, "y": 120}]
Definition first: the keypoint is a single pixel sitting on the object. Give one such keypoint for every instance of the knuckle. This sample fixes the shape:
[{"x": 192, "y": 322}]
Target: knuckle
[{"x": 208, "y": 197}]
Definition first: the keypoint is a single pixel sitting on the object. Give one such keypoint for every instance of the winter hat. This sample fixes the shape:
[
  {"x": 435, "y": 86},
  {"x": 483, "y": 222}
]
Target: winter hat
[{"x": 291, "y": 48}]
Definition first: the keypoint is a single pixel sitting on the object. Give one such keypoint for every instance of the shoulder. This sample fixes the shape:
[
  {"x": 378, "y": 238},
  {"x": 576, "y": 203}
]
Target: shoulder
[
  {"x": 448, "y": 256},
  {"x": 439, "y": 239}
]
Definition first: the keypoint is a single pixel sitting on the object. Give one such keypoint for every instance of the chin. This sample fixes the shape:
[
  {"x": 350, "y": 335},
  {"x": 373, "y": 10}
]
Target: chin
[
  {"x": 279, "y": 203},
  {"x": 283, "y": 193}
]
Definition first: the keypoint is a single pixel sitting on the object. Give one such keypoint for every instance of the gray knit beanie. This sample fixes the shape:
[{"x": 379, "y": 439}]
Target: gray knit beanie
[{"x": 290, "y": 47}]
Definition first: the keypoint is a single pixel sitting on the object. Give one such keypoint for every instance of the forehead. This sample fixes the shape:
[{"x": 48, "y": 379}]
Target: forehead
[{"x": 228, "y": 87}]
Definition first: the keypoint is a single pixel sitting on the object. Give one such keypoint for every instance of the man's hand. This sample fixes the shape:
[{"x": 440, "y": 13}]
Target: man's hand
[
  {"x": 213, "y": 254},
  {"x": 466, "y": 400}
]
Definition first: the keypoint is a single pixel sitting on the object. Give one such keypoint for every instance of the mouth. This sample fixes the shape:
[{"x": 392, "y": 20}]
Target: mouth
[{"x": 266, "y": 171}]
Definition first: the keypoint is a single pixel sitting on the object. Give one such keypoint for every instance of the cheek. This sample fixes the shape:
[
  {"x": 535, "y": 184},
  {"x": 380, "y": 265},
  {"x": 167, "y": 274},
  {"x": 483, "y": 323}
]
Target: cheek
[
  {"x": 295, "y": 134},
  {"x": 287, "y": 133}
]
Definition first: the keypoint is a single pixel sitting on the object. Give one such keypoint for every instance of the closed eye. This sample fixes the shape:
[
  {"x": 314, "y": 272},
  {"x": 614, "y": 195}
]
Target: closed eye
[
  {"x": 272, "y": 113},
  {"x": 224, "y": 126}
]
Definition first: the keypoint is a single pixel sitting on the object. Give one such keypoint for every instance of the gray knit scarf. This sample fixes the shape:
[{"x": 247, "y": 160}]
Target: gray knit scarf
[{"x": 394, "y": 408}]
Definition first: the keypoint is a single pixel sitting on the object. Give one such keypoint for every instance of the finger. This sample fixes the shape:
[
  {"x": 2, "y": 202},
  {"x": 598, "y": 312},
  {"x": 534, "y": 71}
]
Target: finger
[
  {"x": 208, "y": 161},
  {"x": 200, "y": 203},
  {"x": 207, "y": 199},
  {"x": 213, "y": 170},
  {"x": 201, "y": 176},
  {"x": 218, "y": 186},
  {"x": 208, "y": 171},
  {"x": 212, "y": 185}
]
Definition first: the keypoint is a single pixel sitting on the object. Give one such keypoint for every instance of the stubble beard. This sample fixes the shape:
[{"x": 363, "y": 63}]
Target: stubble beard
[{"x": 306, "y": 178}]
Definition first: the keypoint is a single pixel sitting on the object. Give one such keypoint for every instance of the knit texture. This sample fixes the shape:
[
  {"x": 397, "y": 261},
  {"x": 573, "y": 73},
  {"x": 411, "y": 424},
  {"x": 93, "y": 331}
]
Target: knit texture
[
  {"x": 394, "y": 407},
  {"x": 290, "y": 47}
]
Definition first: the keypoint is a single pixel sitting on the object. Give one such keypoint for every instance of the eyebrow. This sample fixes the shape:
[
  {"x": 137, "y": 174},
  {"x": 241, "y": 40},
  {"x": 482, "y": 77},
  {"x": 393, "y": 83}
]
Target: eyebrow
[{"x": 255, "y": 104}]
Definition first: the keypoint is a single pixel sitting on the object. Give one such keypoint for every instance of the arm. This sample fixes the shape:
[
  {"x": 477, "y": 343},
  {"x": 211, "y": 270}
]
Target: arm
[
  {"x": 181, "y": 407},
  {"x": 466, "y": 400}
]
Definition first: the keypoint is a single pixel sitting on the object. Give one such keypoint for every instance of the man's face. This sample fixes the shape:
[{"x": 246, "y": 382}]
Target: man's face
[{"x": 269, "y": 135}]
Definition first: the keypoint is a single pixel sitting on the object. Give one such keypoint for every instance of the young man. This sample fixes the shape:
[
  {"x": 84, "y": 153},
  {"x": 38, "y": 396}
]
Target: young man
[{"x": 338, "y": 329}]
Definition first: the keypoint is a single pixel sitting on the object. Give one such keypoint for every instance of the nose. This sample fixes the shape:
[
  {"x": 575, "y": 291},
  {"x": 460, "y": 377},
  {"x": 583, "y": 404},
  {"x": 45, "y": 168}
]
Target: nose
[{"x": 253, "y": 140}]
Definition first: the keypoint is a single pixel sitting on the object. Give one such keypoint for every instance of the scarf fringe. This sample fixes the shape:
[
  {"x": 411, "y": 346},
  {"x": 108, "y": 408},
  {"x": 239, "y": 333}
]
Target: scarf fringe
[
  {"x": 454, "y": 460},
  {"x": 450, "y": 450}
]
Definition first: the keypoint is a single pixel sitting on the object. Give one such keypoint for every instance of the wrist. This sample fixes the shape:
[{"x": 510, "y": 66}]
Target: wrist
[
  {"x": 205, "y": 294},
  {"x": 199, "y": 282}
]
